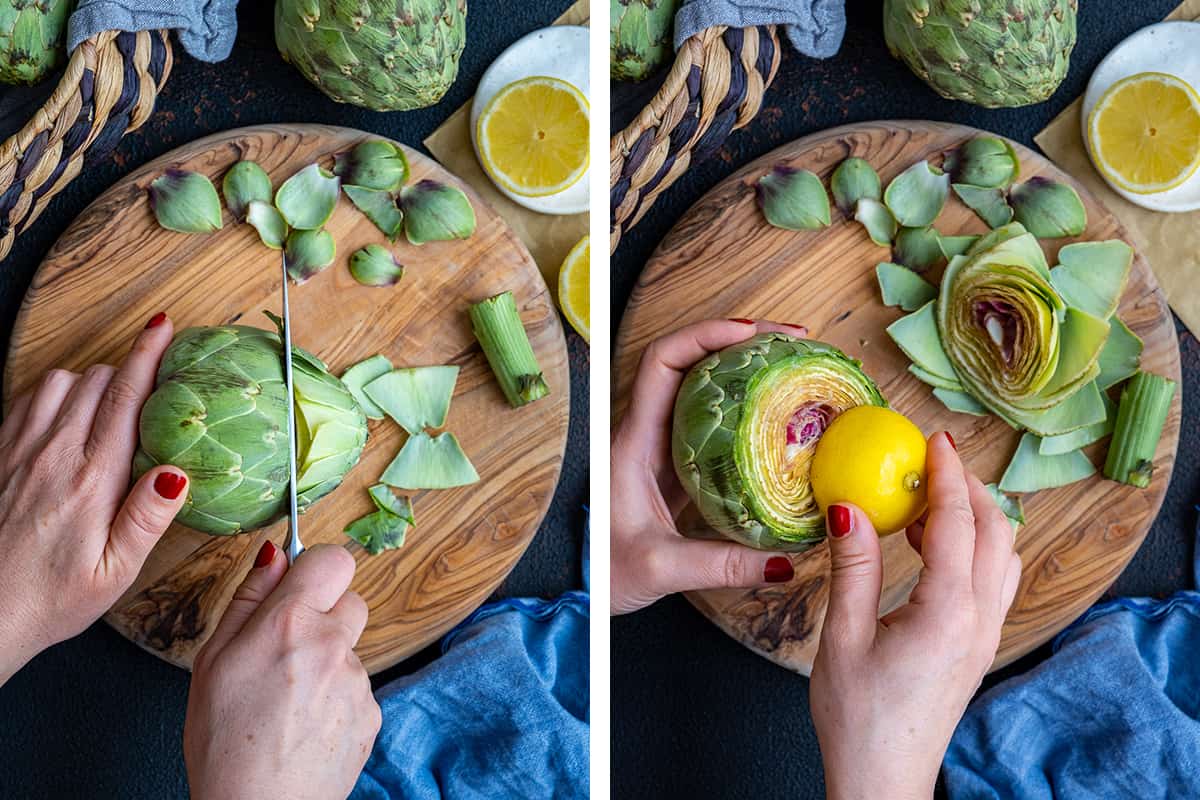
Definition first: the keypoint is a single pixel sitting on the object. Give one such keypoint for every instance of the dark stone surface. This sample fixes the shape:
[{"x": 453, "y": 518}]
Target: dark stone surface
[
  {"x": 693, "y": 713},
  {"x": 96, "y": 717}
]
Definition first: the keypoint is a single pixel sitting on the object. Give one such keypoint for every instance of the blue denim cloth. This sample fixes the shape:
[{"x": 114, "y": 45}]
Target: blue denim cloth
[
  {"x": 1114, "y": 713},
  {"x": 814, "y": 27}
]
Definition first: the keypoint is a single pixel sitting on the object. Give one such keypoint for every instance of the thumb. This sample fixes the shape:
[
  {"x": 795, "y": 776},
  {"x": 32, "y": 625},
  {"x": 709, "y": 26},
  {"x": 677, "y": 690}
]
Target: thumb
[
  {"x": 269, "y": 568},
  {"x": 698, "y": 564},
  {"x": 856, "y": 576},
  {"x": 151, "y": 505}
]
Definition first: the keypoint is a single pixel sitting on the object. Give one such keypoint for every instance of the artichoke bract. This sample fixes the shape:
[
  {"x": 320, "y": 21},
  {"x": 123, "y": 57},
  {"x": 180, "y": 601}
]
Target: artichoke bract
[
  {"x": 219, "y": 413},
  {"x": 385, "y": 55},
  {"x": 639, "y": 37},
  {"x": 994, "y": 53},
  {"x": 747, "y": 420},
  {"x": 32, "y": 38}
]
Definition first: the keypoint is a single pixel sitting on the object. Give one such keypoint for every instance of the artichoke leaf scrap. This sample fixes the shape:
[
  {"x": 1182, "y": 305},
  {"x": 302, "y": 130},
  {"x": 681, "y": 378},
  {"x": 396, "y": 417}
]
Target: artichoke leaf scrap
[
  {"x": 266, "y": 219},
  {"x": 1081, "y": 438},
  {"x": 1091, "y": 276},
  {"x": 902, "y": 287},
  {"x": 916, "y": 196},
  {"x": 380, "y": 207},
  {"x": 386, "y": 500},
  {"x": 1012, "y": 507},
  {"x": 878, "y": 221},
  {"x": 1029, "y": 471},
  {"x": 185, "y": 202},
  {"x": 307, "y": 199},
  {"x": 375, "y": 164},
  {"x": 430, "y": 462},
  {"x": 986, "y": 162},
  {"x": 853, "y": 180},
  {"x": 990, "y": 205},
  {"x": 378, "y": 531},
  {"x": 1048, "y": 209},
  {"x": 307, "y": 252},
  {"x": 415, "y": 397},
  {"x": 359, "y": 375},
  {"x": 793, "y": 199},
  {"x": 917, "y": 248},
  {"x": 925, "y": 376},
  {"x": 1121, "y": 355},
  {"x": 435, "y": 212},
  {"x": 960, "y": 402}
]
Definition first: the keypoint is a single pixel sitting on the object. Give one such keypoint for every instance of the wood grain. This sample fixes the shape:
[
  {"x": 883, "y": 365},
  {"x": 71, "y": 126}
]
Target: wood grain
[
  {"x": 114, "y": 268},
  {"x": 723, "y": 260}
]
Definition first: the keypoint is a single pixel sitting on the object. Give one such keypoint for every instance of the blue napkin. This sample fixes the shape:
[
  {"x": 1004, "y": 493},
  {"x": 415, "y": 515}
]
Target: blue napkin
[
  {"x": 1114, "y": 713},
  {"x": 206, "y": 28},
  {"x": 814, "y": 27}
]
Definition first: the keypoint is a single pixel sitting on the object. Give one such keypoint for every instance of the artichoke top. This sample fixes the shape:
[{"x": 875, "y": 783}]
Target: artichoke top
[
  {"x": 994, "y": 53},
  {"x": 747, "y": 421},
  {"x": 385, "y": 55},
  {"x": 32, "y": 38}
]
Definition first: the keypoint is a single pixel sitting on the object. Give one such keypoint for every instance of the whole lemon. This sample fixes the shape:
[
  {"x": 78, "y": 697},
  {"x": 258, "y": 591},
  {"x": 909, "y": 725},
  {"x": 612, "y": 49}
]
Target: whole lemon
[{"x": 874, "y": 458}]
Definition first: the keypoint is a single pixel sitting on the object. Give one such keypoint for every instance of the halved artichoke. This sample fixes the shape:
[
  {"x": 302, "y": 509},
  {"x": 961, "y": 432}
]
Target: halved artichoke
[{"x": 747, "y": 420}]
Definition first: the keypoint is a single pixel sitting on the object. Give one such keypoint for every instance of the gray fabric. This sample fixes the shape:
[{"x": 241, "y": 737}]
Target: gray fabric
[
  {"x": 815, "y": 27},
  {"x": 206, "y": 28}
]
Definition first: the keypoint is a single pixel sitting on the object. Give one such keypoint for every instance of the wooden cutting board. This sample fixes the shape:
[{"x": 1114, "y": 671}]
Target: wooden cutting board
[
  {"x": 723, "y": 260},
  {"x": 114, "y": 268}
]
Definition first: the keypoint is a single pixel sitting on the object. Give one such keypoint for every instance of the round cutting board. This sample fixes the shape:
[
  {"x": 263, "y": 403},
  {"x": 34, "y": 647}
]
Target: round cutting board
[
  {"x": 114, "y": 268},
  {"x": 723, "y": 260}
]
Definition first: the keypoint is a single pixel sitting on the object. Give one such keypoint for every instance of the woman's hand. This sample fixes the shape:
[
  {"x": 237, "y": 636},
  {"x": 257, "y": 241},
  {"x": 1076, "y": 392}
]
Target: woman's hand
[
  {"x": 886, "y": 694},
  {"x": 280, "y": 706},
  {"x": 650, "y": 559},
  {"x": 73, "y": 535}
]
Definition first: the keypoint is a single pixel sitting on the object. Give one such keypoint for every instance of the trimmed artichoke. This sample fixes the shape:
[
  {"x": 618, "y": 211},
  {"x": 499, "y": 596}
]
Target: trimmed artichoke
[
  {"x": 639, "y": 37},
  {"x": 747, "y": 420},
  {"x": 32, "y": 38},
  {"x": 994, "y": 53},
  {"x": 219, "y": 413},
  {"x": 385, "y": 55}
]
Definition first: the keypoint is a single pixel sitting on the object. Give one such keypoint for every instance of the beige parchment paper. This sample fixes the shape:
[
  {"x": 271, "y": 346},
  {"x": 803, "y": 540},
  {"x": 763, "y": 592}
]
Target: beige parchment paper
[
  {"x": 1170, "y": 242},
  {"x": 548, "y": 237}
]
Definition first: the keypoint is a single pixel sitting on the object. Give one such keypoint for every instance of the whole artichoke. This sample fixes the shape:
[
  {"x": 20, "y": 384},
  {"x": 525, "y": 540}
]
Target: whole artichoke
[
  {"x": 219, "y": 413},
  {"x": 385, "y": 55},
  {"x": 32, "y": 38},
  {"x": 639, "y": 37},
  {"x": 994, "y": 53},
  {"x": 747, "y": 421}
]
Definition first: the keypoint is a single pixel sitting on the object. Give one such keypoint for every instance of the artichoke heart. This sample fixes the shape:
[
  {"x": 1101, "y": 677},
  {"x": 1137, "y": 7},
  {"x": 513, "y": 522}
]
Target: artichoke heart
[
  {"x": 747, "y": 420},
  {"x": 219, "y": 413}
]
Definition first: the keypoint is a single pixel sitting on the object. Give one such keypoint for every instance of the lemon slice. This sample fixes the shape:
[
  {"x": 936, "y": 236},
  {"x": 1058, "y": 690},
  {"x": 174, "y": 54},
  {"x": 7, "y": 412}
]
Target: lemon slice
[
  {"x": 1144, "y": 133},
  {"x": 533, "y": 136},
  {"x": 573, "y": 287}
]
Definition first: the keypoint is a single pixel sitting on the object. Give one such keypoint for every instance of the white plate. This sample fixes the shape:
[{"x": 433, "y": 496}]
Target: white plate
[
  {"x": 1170, "y": 47},
  {"x": 560, "y": 51}
]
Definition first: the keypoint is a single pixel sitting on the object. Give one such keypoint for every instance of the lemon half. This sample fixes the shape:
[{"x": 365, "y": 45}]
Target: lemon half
[
  {"x": 533, "y": 136},
  {"x": 573, "y": 290},
  {"x": 1144, "y": 133}
]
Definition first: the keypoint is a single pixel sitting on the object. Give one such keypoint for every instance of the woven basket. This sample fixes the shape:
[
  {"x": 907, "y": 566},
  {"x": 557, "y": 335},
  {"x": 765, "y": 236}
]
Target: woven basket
[
  {"x": 109, "y": 89},
  {"x": 715, "y": 87}
]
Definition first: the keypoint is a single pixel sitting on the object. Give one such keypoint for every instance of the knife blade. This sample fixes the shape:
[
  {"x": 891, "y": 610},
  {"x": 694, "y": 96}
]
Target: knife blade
[{"x": 294, "y": 547}]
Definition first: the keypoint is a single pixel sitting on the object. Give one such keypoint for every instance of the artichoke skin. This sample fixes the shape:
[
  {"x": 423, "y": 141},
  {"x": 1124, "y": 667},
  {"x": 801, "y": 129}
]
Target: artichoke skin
[
  {"x": 640, "y": 37},
  {"x": 33, "y": 37},
  {"x": 219, "y": 413},
  {"x": 746, "y": 423},
  {"x": 385, "y": 55},
  {"x": 994, "y": 53}
]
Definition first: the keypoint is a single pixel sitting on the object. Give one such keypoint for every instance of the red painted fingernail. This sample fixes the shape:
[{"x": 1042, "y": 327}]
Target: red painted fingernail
[
  {"x": 803, "y": 329},
  {"x": 778, "y": 570},
  {"x": 950, "y": 439},
  {"x": 841, "y": 521},
  {"x": 156, "y": 320},
  {"x": 169, "y": 484},
  {"x": 743, "y": 321},
  {"x": 266, "y": 554}
]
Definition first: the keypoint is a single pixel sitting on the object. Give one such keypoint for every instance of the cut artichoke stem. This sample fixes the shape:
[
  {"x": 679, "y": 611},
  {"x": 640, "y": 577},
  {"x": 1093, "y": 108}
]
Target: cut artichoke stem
[
  {"x": 416, "y": 397},
  {"x": 379, "y": 207},
  {"x": 386, "y": 500},
  {"x": 1121, "y": 355},
  {"x": 378, "y": 531},
  {"x": 1029, "y": 471},
  {"x": 1012, "y": 507},
  {"x": 426, "y": 462},
  {"x": 960, "y": 402},
  {"x": 373, "y": 164},
  {"x": 853, "y": 180},
  {"x": 374, "y": 265},
  {"x": 1048, "y": 209},
  {"x": 498, "y": 327},
  {"x": 1091, "y": 276},
  {"x": 434, "y": 212},
  {"x": 878, "y": 221},
  {"x": 185, "y": 202},
  {"x": 1081, "y": 438},
  {"x": 305, "y": 253},
  {"x": 266, "y": 219},
  {"x": 745, "y": 426},
  {"x": 1141, "y": 417},
  {"x": 307, "y": 199},
  {"x": 987, "y": 162},
  {"x": 917, "y": 248},
  {"x": 793, "y": 199},
  {"x": 990, "y": 205},
  {"x": 916, "y": 196},
  {"x": 902, "y": 287},
  {"x": 244, "y": 183},
  {"x": 359, "y": 375}
]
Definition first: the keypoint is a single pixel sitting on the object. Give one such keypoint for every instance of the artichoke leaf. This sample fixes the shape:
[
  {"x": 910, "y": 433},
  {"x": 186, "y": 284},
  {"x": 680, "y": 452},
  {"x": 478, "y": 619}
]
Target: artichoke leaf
[
  {"x": 244, "y": 183},
  {"x": 793, "y": 199},
  {"x": 386, "y": 500},
  {"x": 960, "y": 402},
  {"x": 917, "y": 335},
  {"x": 1081, "y": 339},
  {"x": 426, "y": 462},
  {"x": 987, "y": 162},
  {"x": 374, "y": 265},
  {"x": 1084, "y": 408},
  {"x": 378, "y": 531},
  {"x": 307, "y": 199},
  {"x": 372, "y": 164},
  {"x": 416, "y": 397},
  {"x": 952, "y": 246},
  {"x": 878, "y": 221},
  {"x": 185, "y": 201},
  {"x": 266, "y": 219},
  {"x": 916, "y": 196},
  {"x": 1012, "y": 507},
  {"x": 1048, "y": 209},
  {"x": 853, "y": 180},
  {"x": 1081, "y": 438},
  {"x": 359, "y": 375},
  {"x": 1029, "y": 471},
  {"x": 435, "y": 212},
  {"x": 917, "y": 248},
  {"x": 938, "y": 381},
  {"x": 989, "y": 205},
  {"x": 307, "y": 252},
  {"x": 1091, "y": 276},
  {"x": 1121, "y": 355},
  {"x": 902, "y": 287},
  {"x": 380, "y": 207}
]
